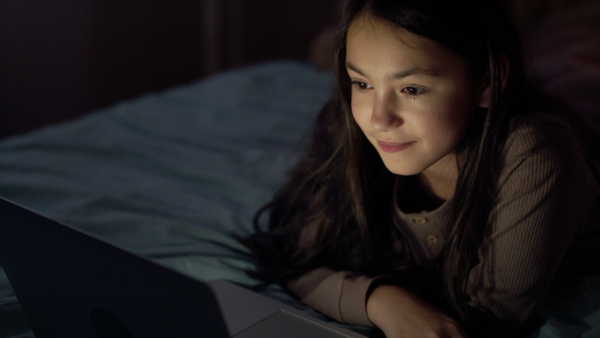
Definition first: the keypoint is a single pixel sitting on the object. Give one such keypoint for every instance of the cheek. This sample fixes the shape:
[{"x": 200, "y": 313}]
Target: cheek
[
  {"x": 452, "y": 128},
  {"x": 360, "y": 112},
  {"x": 444, "y": 125},
  {"x": 457, "y": 112}
]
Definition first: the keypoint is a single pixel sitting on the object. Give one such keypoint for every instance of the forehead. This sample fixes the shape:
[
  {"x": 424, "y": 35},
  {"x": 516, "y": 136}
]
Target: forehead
[{"x": 367, "y": 32}]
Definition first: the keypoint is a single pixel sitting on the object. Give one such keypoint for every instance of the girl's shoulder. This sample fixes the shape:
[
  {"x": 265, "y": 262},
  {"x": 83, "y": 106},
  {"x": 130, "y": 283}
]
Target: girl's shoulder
[
  {"x": 542, "y": 133},
  {"x": 547, "y": 144},
  {"x": 544, "y": 155}
]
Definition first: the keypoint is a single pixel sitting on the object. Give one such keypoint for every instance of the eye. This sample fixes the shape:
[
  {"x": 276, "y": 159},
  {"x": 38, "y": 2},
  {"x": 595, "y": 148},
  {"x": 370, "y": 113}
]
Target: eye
[
  {"x": 361, "y": 86},
  {"x": 413, "y": 91}
]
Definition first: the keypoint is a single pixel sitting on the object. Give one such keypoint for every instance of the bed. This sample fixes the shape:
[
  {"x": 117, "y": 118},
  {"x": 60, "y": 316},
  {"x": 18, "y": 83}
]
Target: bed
[{"x": 175, "y": 176}]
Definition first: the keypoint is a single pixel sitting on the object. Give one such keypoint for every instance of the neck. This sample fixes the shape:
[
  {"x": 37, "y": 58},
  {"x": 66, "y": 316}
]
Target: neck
[{"x": 440, "y": 179}]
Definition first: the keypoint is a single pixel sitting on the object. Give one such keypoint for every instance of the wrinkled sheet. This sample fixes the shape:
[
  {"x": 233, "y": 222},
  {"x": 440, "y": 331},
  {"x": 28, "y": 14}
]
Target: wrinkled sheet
[{"x": 173, "y": 176}]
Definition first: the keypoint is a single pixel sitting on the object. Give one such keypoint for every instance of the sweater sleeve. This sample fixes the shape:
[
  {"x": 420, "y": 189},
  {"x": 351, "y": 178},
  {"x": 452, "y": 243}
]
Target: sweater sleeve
[
  {"x": 544, "y": 196},
  {"x": 340, "y": 295}
]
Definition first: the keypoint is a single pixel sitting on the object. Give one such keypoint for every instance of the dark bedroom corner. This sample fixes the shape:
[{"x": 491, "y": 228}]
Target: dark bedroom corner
[{"x": 61, "y": 59}]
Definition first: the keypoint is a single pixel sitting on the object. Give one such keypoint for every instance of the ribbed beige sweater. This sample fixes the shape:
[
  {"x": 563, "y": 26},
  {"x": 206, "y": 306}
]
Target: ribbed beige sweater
[{"x": 545, "y": 225}]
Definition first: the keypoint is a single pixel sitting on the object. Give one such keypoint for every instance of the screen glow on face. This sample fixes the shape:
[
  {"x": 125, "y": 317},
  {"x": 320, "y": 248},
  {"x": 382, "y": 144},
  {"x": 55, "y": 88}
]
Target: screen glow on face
[{"x": 411, "y": 97}]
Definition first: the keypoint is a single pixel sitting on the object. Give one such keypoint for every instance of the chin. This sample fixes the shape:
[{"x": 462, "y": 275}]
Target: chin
[{"x": 403, "y": 170}]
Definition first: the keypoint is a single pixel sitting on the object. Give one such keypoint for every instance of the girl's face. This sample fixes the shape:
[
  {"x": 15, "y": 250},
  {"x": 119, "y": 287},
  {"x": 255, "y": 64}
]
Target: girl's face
[{"x": 411, "y": 97}]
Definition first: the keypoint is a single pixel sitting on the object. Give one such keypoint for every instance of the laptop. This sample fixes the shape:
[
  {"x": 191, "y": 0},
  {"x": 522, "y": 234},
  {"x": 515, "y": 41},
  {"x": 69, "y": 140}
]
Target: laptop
[{"x": 73, "y": 284}]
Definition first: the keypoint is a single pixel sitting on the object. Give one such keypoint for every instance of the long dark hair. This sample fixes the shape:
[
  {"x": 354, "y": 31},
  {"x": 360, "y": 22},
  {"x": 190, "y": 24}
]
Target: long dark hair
[{"x": 339, "y": 194}]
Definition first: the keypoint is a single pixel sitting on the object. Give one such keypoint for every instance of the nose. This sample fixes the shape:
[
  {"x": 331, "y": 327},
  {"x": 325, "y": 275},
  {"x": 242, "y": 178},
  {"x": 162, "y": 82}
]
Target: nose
[{"x": 385, "y": 115}]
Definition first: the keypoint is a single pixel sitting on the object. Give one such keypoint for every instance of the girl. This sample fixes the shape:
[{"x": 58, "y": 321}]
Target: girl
[{"x": 439, "y": 194}]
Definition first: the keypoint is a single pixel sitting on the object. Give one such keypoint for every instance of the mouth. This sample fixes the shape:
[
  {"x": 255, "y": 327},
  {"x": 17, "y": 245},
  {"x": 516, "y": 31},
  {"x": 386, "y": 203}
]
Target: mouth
[{"x": 394, "y": 147}]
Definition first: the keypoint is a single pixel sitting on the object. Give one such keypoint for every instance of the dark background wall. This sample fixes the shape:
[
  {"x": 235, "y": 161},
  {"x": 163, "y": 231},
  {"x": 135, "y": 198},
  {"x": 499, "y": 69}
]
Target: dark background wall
[{"x": 60, "y": 59}]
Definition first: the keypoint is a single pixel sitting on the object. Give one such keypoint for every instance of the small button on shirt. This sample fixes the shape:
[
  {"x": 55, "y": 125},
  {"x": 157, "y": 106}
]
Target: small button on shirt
[
  {"x": 426, "y": 230},
  {"x": 432, "y": 239}
]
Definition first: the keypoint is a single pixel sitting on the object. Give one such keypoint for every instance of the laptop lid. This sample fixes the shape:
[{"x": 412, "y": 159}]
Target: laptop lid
[
  {"x": 95, "y": 293},
  {"x": 72, "y": 284}
]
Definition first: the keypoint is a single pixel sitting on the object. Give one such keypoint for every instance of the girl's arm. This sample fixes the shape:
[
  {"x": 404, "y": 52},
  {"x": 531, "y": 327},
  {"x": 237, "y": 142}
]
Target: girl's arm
[
  {"x": 400, "y": 313},
  {"x": 544, "y": 202},
  {"x": 341, "y": 295},
  {"x": 344, "y": 296}
]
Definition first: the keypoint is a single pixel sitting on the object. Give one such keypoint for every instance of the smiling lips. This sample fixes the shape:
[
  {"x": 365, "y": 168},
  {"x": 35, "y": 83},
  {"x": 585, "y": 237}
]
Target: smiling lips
[{"x": 391, "y": 147}]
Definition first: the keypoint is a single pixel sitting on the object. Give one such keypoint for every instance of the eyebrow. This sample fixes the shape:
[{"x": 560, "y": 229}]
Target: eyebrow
[{"x": 399, "y": 75}]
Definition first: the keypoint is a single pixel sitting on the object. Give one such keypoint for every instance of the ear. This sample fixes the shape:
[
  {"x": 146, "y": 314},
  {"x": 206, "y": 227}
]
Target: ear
[{"x": 485, "y": 96}]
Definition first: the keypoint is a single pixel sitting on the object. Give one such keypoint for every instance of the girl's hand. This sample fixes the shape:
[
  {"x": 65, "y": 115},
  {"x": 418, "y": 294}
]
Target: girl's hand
[{"x": 400, "y": 313}]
